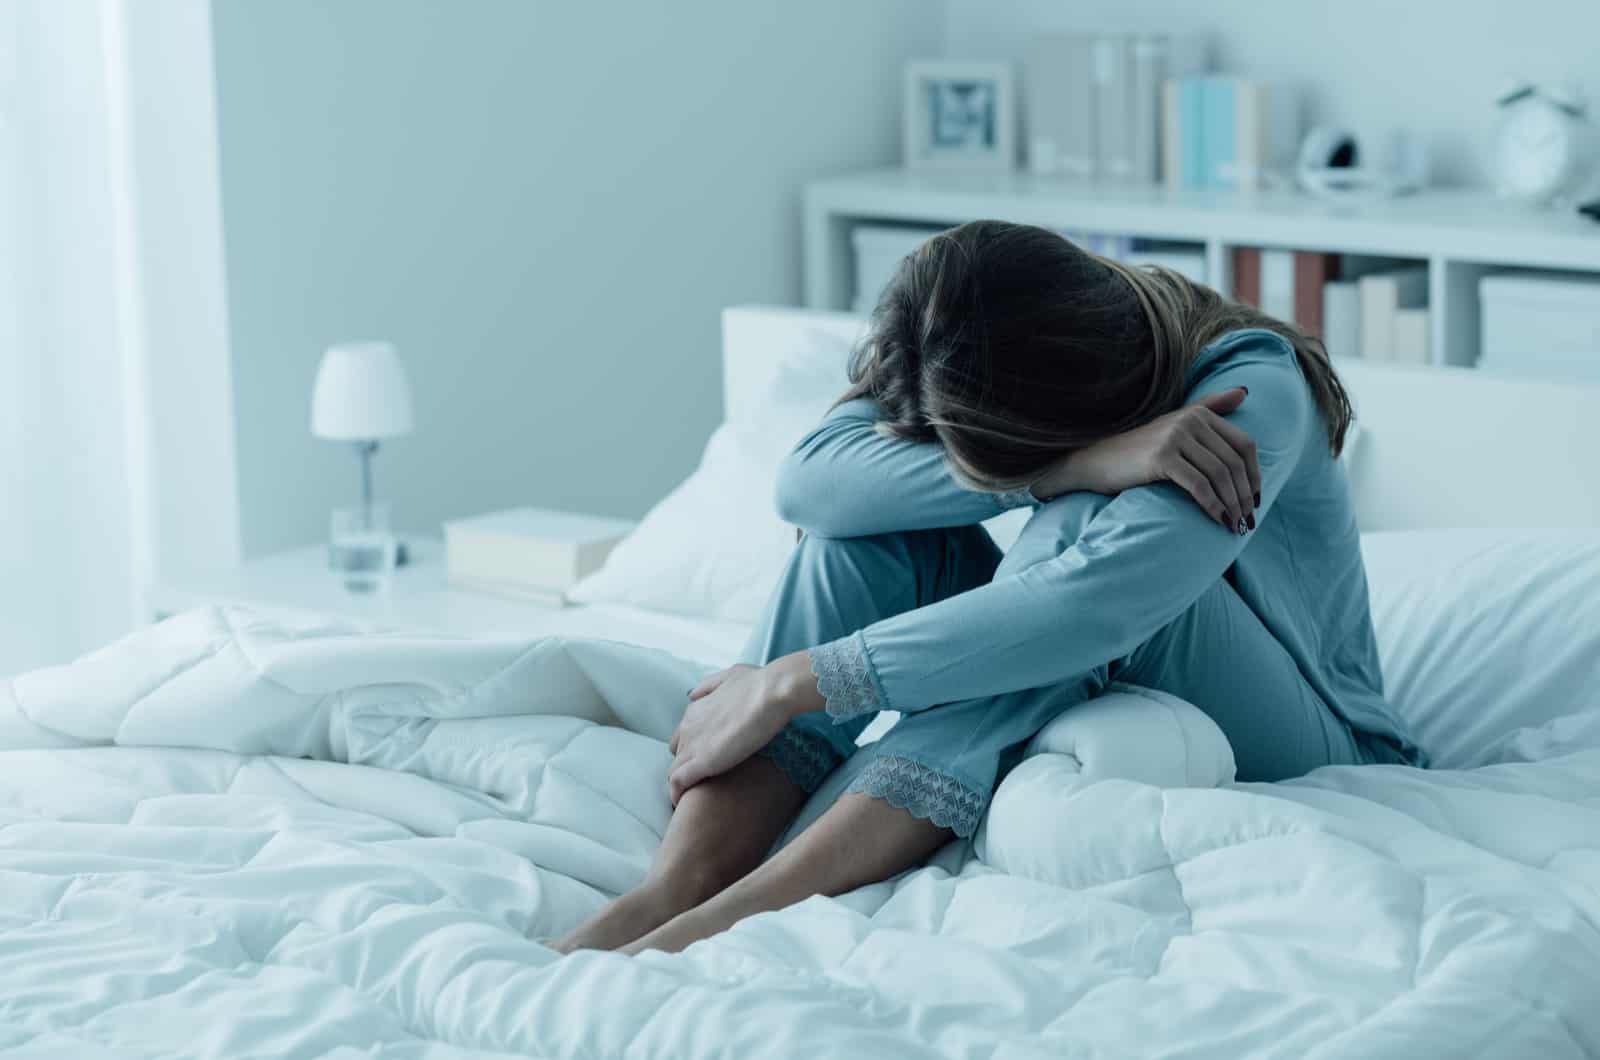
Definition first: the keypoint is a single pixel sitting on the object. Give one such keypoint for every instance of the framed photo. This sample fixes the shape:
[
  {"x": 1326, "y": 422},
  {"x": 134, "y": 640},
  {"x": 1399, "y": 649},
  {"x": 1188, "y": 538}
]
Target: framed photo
[{"x": 959, "y": 116}]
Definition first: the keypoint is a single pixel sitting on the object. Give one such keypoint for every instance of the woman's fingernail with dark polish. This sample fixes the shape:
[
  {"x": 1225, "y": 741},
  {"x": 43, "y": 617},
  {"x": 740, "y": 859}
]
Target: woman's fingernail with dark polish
[
  {"x": 1258, "y": 499},
  {"x": 1251, "y": 519}
]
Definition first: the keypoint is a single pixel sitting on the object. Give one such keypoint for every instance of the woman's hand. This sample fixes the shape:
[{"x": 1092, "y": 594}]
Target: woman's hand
[
  {"x": 733, "y": 713},
  {"x": 1194, "y": 448}
]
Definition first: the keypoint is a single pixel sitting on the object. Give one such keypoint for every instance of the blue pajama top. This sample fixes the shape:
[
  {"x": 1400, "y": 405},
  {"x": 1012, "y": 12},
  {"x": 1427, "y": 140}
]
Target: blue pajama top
[{"x": 1143, "y": 559}]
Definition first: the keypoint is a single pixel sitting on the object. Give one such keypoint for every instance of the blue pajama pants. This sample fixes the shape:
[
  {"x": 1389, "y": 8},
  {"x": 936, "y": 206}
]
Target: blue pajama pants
[{"x": 944, "y": 763}]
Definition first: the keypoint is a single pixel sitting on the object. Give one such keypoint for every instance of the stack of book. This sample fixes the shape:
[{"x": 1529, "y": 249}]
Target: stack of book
[
  {"x": 1376, "y": 312},
  {"x": 1394, "y": 314},
  {"x": 1092, "y": 102},
  {"x": 1226, "y": 132},
  {"x": 529, "y": 553}
]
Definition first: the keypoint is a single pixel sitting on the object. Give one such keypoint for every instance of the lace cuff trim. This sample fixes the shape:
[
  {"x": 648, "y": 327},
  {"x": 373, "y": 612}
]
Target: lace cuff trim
[
  {"x": 924, "y": 792},
  {"x": 804, "y": 757},
  {"x": 844, "y": 678}
]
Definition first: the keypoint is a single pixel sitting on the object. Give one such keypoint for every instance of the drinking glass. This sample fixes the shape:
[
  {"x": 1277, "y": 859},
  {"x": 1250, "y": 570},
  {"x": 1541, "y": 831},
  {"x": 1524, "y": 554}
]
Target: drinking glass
[{"x": 362, "y": 549}]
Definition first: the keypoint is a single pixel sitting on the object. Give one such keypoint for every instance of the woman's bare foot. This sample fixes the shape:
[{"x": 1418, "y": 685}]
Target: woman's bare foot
[
  {"x": 678, "y": 932},
  {"x": 719, "y": 831},
  {"x": 641, "y": 910},
  {"x": 859, "y": 840}
]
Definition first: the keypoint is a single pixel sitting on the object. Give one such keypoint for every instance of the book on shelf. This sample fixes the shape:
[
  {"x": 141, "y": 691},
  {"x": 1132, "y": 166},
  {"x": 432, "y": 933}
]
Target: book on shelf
[
  {"x": 530, "y": 553},
  {"x": 1341, "y": 318},
  {"x": 1225, "y": 132},
  {"x": 1147, "y": 69},
  {"x": 1408, "y": 336},
  {"x": 1286, "y": 284},
  {"x": 1059, "y": 104},
  {"x": 1092, "y": 102},
  {"x": 1113, "y": 100},
  {"x": 1382, "y": 294},
  {"x": 1277, "y": 284},
  {"x": 1313, "y": 271}
]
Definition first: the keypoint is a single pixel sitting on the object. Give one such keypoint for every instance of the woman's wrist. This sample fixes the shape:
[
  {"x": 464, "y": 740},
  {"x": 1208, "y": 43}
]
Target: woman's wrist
[
  {"x": 793, "y": 686},
  {"x": 1066, "y": 475}
]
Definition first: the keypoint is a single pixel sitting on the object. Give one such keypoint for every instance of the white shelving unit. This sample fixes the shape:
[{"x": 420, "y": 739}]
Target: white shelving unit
[{"x": 1459, "y": 234}]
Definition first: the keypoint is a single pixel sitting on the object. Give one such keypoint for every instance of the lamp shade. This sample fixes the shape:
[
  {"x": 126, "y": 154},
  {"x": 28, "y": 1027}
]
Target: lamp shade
[{"x": 361, "y": 393}]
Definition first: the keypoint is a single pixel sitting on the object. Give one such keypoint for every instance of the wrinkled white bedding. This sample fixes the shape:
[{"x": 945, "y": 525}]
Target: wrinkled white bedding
[{"x": 358, "y": 839}]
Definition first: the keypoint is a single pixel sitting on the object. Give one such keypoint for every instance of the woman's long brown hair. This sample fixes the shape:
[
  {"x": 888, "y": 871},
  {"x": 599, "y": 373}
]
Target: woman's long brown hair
[{"x": 1011, "y": 347}]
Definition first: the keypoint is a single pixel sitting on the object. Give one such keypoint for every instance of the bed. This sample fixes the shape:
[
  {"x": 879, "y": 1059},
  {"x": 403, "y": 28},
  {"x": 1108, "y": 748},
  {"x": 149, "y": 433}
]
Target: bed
[{"x": 235, "y": 834}]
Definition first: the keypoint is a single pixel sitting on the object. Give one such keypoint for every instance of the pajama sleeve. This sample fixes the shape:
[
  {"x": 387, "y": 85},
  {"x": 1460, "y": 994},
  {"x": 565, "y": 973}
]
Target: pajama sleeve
[
  {"x": 1145, "y": 557},
  {"x": 845, "y": 479}
]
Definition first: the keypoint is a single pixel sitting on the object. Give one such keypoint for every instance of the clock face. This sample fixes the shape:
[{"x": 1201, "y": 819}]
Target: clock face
[{"x": 1534, "y": 148}]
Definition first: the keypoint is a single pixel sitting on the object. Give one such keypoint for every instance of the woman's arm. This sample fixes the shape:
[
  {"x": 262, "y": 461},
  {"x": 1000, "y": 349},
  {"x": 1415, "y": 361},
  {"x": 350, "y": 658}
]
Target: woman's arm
[
  {"x": 1148, "y": 554},
  {"x": 845, "y": 479}
]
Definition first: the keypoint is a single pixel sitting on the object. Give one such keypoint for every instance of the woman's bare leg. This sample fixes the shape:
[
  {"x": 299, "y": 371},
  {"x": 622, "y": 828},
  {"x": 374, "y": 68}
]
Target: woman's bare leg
[
  {"x": 859, "y": 840},
  {"x": 719, "y": 831}
]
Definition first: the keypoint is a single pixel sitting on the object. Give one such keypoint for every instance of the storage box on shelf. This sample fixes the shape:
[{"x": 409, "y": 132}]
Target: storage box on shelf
[
  {"x": 1541, "y": 324},
  {"x": 1458, "y": 236}
]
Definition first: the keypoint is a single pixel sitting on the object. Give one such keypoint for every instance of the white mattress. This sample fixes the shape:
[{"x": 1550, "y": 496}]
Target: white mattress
[
  {"x": 295, "y": 586},
  {"x": 228, "y": 837}
]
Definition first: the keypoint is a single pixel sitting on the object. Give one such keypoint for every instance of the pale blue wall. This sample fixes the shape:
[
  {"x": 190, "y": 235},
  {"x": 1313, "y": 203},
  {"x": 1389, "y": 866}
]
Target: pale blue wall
[{"x": 545, "y": 204}]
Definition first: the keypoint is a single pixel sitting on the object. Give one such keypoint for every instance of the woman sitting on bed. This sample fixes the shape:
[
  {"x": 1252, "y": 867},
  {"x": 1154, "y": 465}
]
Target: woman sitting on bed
[{"x": 1192, "y": 532}]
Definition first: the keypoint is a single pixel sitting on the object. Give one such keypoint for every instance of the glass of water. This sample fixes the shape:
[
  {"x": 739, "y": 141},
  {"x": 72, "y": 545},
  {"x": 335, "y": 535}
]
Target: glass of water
[{"x": 362, "y": 547}]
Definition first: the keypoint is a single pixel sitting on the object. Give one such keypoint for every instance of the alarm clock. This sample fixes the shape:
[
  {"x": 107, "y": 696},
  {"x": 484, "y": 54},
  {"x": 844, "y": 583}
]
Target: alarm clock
[{"x": 1541, "y": 142}]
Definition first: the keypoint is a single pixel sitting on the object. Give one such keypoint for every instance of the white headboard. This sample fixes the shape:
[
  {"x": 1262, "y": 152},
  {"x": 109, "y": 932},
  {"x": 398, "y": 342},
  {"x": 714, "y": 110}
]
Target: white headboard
[{"x": 1439, "y": 447}]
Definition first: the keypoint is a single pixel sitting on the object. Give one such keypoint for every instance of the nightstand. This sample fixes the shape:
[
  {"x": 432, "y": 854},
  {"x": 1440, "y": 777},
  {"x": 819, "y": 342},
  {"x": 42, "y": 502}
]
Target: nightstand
[{"x": 419, "y": 598}]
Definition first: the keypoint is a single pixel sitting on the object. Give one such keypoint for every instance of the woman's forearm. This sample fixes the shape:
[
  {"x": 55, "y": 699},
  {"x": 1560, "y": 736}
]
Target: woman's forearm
[{"x": 845, "y": 479}]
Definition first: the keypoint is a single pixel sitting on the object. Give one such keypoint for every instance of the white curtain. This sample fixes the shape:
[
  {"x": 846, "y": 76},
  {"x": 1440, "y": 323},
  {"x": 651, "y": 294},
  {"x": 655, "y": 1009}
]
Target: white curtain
[{"x": 74, "y": 541}]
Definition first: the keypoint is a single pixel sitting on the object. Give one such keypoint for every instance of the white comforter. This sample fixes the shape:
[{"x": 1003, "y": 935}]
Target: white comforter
[{"x": 224, "y": 838}]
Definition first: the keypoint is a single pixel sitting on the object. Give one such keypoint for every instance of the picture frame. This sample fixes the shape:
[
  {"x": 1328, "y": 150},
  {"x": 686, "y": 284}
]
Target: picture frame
[{"x": 959, "y": 115}]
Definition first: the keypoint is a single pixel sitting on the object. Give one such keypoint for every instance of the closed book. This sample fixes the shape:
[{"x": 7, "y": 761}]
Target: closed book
[
  {"x": 1312, "y": 271},
  {"x": 529, "y": 549},
  {"x": 1172, "y": 134},
  {"x": 1077, "y": 151},
  {"x": 1265, "y": 134},
  {"x": 1277, "y": 284},
  {"x": 1219, "y": 135},
  {"x": 1409, "y": 336},
  {"x": 1341, "y": 318},
  {"x": 1147, "y": 69},
  {"x": 1191, "y": 127},
  {"x": 1113, "y": 89},
  {"x": 1278, "y": 132},
  {"x": 1047, "y": 78},
  {"x": 1247, "y": 276},
  {"x": 1381, "y": 294},
  {"x": 1243, "y": 170}
]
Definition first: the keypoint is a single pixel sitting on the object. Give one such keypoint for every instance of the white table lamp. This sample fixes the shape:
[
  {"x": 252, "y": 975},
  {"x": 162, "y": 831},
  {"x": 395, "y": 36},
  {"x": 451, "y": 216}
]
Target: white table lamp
[{"x": 361, "y": 397}]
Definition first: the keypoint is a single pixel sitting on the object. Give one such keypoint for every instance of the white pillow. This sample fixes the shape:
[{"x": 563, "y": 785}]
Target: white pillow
[
  {"x": 714, "y": 547},
  {"x": 1489, "y": 639}
]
